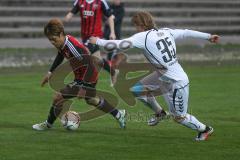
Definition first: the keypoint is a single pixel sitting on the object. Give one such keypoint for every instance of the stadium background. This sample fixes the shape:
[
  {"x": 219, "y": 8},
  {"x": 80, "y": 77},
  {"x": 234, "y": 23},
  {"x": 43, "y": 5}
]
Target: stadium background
[
  {"x": 22, "y": 21},
  {"x": 25, "y": 55}
]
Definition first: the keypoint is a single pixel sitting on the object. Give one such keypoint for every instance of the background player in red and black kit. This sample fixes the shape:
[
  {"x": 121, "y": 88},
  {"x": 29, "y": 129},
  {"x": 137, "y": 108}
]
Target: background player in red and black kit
[
  {"x": 85, "y": 76},
  {"x": 91, "y": 15},
  {"x": 116, "y": 57},
  {"x": 117, "y": 9}
]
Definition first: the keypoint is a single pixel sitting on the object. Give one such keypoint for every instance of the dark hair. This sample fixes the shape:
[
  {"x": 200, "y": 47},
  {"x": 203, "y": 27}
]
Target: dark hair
[
  {"x": 144, "y": 19},
  {"x": 54, "y": 27}
]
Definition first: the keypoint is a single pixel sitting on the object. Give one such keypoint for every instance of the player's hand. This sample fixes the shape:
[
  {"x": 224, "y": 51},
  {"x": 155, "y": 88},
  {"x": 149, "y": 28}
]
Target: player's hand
[
  {"x": 112, "y": 36},
  {"x": 46, "y": 79},
  {"x": 214, "y": 38},
  {"x": 68, "y": 17},
  {"x": 81, "y": 93},
  {"x": 93, "y": 40}
]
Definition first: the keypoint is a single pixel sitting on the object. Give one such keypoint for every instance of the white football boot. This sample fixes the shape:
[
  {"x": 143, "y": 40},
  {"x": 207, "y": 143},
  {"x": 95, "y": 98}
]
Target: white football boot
[
  {"x": 203, "y": 136},
  {"x": 122, "y": 118},
  {"x": 153, "y": 121},
  {"x": 42, "y": 126}
]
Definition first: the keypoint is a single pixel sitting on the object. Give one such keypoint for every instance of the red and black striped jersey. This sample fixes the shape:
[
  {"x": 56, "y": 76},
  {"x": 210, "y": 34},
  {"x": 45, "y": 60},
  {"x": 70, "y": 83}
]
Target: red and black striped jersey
[
  {"x": 79, "y": 59},
  {"x": 91, "y": 14}
]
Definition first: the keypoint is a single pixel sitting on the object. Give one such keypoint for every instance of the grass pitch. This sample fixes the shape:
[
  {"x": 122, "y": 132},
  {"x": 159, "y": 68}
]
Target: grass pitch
[{"x": 214, "y": 100}]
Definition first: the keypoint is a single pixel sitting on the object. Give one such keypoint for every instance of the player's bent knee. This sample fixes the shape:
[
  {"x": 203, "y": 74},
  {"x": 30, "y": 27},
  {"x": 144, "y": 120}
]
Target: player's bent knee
[
  {"x": 179, "y": 119},
  {"x": 94, "y": 101},
  {"x": 57, "y": 98},
  {"x": 137, "y": 89}
]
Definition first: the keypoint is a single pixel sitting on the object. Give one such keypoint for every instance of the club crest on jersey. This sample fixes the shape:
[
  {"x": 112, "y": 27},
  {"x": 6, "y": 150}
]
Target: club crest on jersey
[
  {"x": 82, "y": 6},
  {"x": 95, "y": 6}
]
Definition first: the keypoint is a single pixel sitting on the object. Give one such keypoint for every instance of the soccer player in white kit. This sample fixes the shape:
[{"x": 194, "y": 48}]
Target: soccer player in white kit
[{"x": 160, "y": 50}]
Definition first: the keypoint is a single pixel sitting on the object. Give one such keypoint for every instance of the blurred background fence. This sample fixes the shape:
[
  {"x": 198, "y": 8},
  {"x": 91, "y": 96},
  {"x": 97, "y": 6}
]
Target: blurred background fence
[{"x": 22, "y": 21}]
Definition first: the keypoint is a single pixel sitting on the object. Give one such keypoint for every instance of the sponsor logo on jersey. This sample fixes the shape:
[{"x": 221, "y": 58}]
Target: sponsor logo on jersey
[
  {"x": 88, "y": 13},
  {"x": 160, "y": 34}
]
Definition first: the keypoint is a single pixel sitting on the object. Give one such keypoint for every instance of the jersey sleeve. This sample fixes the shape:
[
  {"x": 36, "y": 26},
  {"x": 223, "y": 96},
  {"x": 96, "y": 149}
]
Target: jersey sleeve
[
  {"x": 75, "y": 8},
  {"x": 58, "y": 60},
  {"x": 183, "y": 34},
  {"x": 106, "y": 8},
  {"x": 137, "y": 41},
  {"x": 76, "y": 52}
]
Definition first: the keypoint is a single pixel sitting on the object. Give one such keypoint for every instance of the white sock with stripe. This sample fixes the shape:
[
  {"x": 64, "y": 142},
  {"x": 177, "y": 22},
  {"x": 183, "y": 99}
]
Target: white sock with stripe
[
  {"x": 191, "y": 122},
  {"x": 151, "y": 102}
]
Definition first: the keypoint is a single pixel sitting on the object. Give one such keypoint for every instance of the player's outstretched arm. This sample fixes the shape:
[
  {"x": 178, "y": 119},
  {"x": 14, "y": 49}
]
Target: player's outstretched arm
[
  {"x": 68, "y": 17},
  {"x": 110, "y": 45},
  {"x": 104, "y": 43},
  {"x": 58, "y": 60},
  {"x": 71, "y": 13},
  {"x": 179, "y": 34}
]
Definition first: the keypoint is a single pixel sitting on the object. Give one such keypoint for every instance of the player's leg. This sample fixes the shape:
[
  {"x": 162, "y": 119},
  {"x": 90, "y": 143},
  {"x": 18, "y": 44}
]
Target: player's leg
[
  {"x": 103, "y": 105},
  {"x": 151, "y": 102},
  {"x": 117, "y": 59},
  {"x": 110, "y": 56},
  {"x": 57, "y": 107},
  {"x": 178, "y": 105},
  {"x": 101, "y": 62},
  {"x": 145, "y": 91},
  {"x": 95, "y": 51},
  {"x": 106, "y": 66}
]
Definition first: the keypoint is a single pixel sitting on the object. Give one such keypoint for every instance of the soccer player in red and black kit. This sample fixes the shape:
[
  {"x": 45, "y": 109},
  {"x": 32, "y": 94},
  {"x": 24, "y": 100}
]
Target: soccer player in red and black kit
[
  {"x": 85, "y": 73},
  {"x": 91, "y": 15}
]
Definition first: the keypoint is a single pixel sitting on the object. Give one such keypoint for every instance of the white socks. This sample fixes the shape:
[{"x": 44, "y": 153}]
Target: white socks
[
  {"x": 151, "y": 102},
  {"x": 118, "y": 115},
  {"x": 191, "y": 122}
]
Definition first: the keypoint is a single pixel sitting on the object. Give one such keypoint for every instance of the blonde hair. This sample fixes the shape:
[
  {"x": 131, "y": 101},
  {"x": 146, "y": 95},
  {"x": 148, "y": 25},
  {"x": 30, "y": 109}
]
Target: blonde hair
[
  {"x": 144, "y": 19},
  {"x": 54, "y": 27}
]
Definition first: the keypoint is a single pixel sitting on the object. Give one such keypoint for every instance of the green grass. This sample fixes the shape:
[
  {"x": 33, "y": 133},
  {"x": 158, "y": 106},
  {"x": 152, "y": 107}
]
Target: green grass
[{"x": 214, "y": 99}]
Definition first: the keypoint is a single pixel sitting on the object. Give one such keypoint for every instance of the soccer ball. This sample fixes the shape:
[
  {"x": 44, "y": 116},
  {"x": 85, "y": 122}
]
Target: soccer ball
[{"x": 71, "y": 120}]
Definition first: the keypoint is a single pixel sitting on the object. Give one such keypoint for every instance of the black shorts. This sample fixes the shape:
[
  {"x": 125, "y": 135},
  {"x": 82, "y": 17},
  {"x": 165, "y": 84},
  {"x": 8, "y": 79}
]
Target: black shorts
[
  {"x": 92, "y": 47},
  {"x": 71, "y": 90}
]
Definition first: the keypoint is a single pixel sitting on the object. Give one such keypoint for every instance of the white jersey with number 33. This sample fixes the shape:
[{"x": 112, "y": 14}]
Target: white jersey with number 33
[{"x": 160, "y": 48}]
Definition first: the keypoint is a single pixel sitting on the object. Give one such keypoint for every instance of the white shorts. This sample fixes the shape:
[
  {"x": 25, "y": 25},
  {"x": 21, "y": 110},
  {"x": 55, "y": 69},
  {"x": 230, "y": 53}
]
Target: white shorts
[
  {"x": 158, "y": 87},
  {"x": 177, "y": 99},
  {"x": 175, "y": 93}
]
